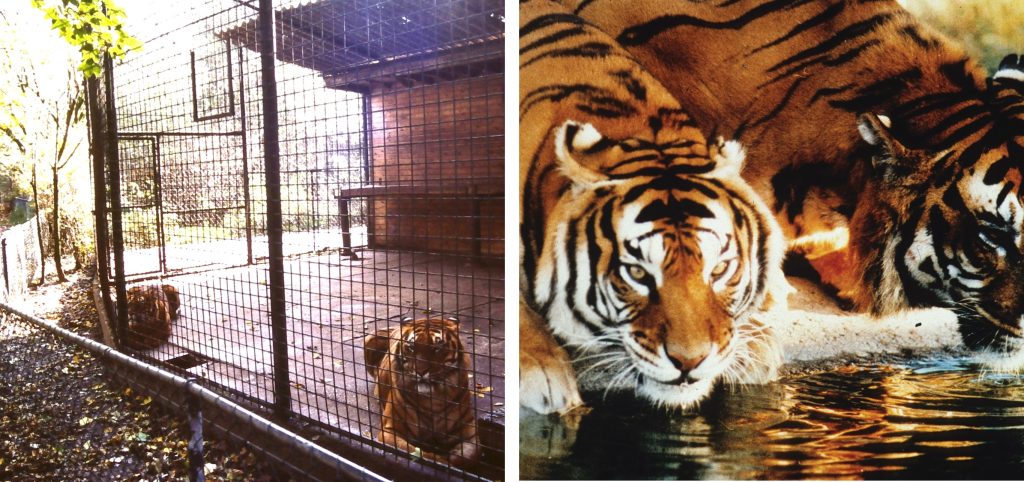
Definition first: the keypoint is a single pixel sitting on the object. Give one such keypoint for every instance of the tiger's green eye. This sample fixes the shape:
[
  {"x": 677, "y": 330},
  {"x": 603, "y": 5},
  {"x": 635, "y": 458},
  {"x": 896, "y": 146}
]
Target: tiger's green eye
[{"x": 637, "y": 272}]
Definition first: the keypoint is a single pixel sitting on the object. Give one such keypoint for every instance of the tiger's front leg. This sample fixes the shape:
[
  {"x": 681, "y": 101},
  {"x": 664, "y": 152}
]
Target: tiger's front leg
[
  {"x": 465, "y": 454},
  {"x": 828, "y": 252},
  {"x": 547, "y": 382}
]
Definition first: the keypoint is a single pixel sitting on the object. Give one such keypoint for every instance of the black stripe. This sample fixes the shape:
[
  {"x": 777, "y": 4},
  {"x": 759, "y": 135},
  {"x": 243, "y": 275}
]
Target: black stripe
[
  {"x": 910, "y": 31},
  {"x": 669, "y": 171},
  {"x": 587, "y": 50},
  {"x": 823, "y": 60},
  {"x": 584, "y": 4},
  {"x": 966, "y": 131},
  {"x": 547, "y": 20},
  {"x": 824, "y": 16},
  {"x": 608, "y": 229},
  {"x": 644, "y": 32},
  {"x": 960, "y": 75},
  {"x": 841, "y": 37},
  {"x": 952, "y": 198},
  {"x": 828, "y": 92},
  {"x": 632, "y": 160},
  {"x": 675, "y": 210},
  {"x": 939, "y": 229},
  {"x": 594, "y": 253},
  {"x": 594, "y": 99},
  {"x": 926, "y": 104},
  {"x": 669, "y": 183},
  {"x": 927, "y": 266},
  {"x": 781, "y": 104},
  {"x": 967, "y": 112},
  {"x": 552, "y": 39},
  {"x": 878, "y": 92},
  {"x": 1003, "y": 193},
  {"x": 997, "y": 171},
  {"x": 632, "y": 85}
]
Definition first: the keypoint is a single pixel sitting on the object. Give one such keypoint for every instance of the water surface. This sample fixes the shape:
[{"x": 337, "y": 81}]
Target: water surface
[{"x": 937, "y": 419}]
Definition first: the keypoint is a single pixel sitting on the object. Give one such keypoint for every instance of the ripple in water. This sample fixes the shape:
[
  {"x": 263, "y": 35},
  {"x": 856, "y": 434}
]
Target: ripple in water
[{"x": 937, "y": 419}]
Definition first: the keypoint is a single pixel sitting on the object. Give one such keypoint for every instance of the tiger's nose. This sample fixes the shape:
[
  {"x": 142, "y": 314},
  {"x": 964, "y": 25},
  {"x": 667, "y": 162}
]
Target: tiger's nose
[{"x": 684, "y": 364}]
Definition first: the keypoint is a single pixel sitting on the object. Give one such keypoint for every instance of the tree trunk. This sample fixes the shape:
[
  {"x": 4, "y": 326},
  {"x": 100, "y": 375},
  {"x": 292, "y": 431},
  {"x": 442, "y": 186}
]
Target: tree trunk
[
  {"x": 39, "y": 229},
  {"x": 56, "y": 228}
]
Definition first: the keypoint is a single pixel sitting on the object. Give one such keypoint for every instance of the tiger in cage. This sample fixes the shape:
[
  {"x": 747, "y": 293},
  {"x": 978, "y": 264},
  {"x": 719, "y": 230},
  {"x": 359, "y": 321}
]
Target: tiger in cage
[
  {"x": 151, "y": 310},
  {"x": 422, "y": 372}
]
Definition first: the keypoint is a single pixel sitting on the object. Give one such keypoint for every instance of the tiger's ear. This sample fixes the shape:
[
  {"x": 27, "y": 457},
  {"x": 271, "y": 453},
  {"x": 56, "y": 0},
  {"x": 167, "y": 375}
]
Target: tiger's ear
[
  {"x": 573, "y": 140},
  {"x": 1011, "y": 73},
  {"x": 375, "y": 346},
  {"x": 728, "y": 157},
  {"x": 874, "y": 129}
]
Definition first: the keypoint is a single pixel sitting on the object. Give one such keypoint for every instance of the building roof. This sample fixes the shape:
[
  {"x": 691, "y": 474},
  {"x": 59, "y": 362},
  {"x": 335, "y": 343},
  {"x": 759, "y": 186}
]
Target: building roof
[{"x": 363, "y": 44}]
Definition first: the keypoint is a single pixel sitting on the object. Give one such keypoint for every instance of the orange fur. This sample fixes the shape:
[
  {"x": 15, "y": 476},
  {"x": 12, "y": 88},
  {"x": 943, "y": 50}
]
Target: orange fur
[
  {"x": 422, "y": 373},
  {"x": 600, "y": 142},
  {"x": 790, "y": 80},
  {"x": 151, "y": 309}
]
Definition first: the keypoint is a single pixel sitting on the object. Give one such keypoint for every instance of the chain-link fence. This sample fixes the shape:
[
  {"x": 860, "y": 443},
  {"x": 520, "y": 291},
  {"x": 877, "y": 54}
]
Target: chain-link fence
[
  {"x": 20, "y": 257},
  {"x": 270, "y": 207}
]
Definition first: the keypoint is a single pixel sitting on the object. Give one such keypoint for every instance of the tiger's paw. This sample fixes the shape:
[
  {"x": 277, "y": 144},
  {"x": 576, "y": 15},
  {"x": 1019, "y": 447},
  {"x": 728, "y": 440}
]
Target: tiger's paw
[
  {"x": 761, "y": 356},
  {"x": 777, "y": 294},
  {"x": 465, "y": 455},
  {"x": 547, "y": 382},
  {"x": 837, "y": 271}
]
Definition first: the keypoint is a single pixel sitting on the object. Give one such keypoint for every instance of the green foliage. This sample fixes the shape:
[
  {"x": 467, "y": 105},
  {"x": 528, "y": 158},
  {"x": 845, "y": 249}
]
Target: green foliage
[
  {"x": 20, "y": 214},
  {"x": 988, "y": 29},
  {"x": 94, "y": 27}
]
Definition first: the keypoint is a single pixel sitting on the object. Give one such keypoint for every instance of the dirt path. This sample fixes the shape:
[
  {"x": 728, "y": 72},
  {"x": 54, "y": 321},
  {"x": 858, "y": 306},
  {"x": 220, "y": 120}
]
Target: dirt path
[{"x": 61, "y": 419}]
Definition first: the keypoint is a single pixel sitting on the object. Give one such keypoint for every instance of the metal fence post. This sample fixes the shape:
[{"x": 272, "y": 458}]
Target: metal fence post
[
  {"x": 113, "y": 167},
  {"x": 275, "y": 232},
  {"x": 246, "y": 193},
  {"x": 7, "y": 279},
  {"x": 196, "y": 463}
]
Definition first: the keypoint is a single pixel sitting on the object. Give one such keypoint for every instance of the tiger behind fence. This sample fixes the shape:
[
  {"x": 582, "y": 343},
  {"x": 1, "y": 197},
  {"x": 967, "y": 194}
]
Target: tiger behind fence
[
  {"x": 422, "y": 372},
  {"x": 151, "y": 309},
  {"x": 642, "y": 250},
  {"x": 889, "y": 158}
]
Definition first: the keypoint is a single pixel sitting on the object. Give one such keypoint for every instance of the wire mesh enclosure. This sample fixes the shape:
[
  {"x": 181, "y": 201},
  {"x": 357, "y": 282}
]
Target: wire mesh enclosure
[{"x": 271, "y": 207}]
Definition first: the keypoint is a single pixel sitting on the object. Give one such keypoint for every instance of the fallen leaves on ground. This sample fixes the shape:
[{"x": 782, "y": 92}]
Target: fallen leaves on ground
[{"x": 63, "y": 419}]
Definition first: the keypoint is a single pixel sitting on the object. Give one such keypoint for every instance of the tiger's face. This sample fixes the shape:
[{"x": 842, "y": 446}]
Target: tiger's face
[
  {"x": 958, "y": 245},
  {"x": 427, "y": 359},
  {"x": 652, "y": 270}
]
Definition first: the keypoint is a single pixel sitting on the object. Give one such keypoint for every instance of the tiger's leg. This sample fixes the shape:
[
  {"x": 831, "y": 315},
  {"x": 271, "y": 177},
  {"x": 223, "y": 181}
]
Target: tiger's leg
[
  {"x": 777, "y": 290},
  {"x": 392, "y": 439},
  {"x": 759, "y": 360},
  {"x": 829, "y": 254},
  {"x": 547, "y": 382},
  {"x": 466, "y": 453},
  {"x": 821, "y": 243},
  {"x": 389, "y": 433}
]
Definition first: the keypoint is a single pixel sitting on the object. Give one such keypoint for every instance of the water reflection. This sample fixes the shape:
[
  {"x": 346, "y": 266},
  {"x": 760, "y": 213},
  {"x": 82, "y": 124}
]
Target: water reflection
[{"x": 934, "y": 419}]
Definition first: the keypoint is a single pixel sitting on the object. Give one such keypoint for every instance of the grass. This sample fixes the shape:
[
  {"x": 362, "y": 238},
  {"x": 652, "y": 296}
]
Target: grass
[{"x": 988, "y": 29}]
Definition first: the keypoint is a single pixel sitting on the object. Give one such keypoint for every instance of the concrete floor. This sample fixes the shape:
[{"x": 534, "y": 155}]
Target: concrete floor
[{"x": 332, "y": 302}]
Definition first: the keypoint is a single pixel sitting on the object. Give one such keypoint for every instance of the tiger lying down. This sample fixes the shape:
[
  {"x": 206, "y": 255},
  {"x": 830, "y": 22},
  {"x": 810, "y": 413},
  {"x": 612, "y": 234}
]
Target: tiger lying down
[
  {"x": 644, "y": 254},
  {"x": 889, "y": 158},
  {"x": 422, "y": 373},
  {"x": 151, "y": 309}
]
